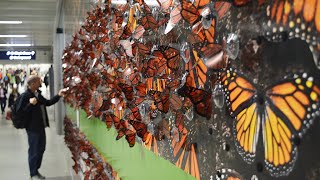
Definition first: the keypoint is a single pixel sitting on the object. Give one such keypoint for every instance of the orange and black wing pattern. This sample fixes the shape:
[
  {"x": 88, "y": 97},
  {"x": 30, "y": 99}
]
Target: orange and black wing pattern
[
  {"x": 284, "y": 112},
  {"x": 127, "y": 90},
  {"x": 292, "y": 106},
  {"x": 295, "y": 12},
  {"x": 172, "y": 56},
  {"x": 186, "y": 155},
  {"x": 197, "y": 71},
  {"x": 189, "y": 12},
  {"x": 200, "y": 98}
]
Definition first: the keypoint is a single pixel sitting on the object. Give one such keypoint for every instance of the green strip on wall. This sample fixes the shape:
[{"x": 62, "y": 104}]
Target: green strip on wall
[{"x": 136, "y": 163}]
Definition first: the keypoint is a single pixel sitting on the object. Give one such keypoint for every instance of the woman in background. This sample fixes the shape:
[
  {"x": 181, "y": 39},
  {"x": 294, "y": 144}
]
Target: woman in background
[{"x": 12, "y": 97}]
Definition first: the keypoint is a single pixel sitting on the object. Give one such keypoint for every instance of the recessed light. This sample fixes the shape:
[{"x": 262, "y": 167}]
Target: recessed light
[
  {"x": 14, "y": 36},
  {"x": 8, "y": 45},
  {"x": 10, "y": 22}
]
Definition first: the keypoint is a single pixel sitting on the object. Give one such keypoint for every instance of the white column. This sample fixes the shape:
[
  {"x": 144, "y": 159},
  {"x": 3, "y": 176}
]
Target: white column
[{"x": 58, "y": 46}]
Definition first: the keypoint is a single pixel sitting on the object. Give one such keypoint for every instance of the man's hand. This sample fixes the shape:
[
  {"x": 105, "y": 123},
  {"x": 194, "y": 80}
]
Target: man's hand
[
  {"x": 62, "y": 92},
  {"x": 33, "y": 101}
]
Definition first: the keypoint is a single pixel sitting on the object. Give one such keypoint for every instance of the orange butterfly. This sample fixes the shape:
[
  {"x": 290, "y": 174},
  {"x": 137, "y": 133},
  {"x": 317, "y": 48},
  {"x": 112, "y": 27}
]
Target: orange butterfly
[
  {"x": 200, "y": 98},
  {"x": 201, "y": 16},
  {"x": 296, "y": 19},
  {"x": 228, "y": 174},
  {"x": 309, "y": 11},
  {"x": 197, "y": 71},
  {"x": 172, "y": 56},
  {"x": 284, "y": 112},
  {"x": 185, "y": 155}
]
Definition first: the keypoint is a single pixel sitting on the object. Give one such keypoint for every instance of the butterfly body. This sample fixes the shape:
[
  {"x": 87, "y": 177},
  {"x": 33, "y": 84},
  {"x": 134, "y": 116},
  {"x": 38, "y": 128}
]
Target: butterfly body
[{"x": 283, "y": 112}]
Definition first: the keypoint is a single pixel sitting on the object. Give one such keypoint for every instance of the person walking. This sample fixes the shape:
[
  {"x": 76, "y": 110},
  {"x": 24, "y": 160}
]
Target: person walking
[
  {"x": 3, "y": 97},
  {"x": 33, "y": 106},
  {"x": 13, "y": 97},
  {"x": 6, "y": 80}
]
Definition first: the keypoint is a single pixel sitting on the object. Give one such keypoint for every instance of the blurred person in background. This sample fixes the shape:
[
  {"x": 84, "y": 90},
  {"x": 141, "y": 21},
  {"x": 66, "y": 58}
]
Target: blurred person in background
[
  {"x": 3, "y": 97},
  {"x": 12, "y": 97},
  {"x": 46, "y": 80},
  {"x": 6, "y": 80}
]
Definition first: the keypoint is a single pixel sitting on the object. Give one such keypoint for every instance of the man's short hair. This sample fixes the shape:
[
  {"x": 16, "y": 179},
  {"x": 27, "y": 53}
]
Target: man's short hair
[{"x": 32, "y": 79}]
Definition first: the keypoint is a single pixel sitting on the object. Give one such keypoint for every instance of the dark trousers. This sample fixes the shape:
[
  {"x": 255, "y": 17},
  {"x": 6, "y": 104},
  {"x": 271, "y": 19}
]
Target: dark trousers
[
  {"x": 3, "y": 103},
  {"x": 37, "y": 146}
]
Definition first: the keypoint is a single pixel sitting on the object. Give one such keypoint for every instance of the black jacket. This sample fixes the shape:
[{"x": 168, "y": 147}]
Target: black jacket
[
  {"x": 5, "y": 94},
  {"x": 12, "y": 99},
  {"x": 33, "y": 113}
]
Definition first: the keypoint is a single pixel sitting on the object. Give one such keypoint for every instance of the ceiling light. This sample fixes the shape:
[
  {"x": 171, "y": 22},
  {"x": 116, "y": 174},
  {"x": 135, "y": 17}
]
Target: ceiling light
[
  {"x": 8, "y": 36},
  {"x": 10, "y": 22},
  {"x": 15, "y": 45}
]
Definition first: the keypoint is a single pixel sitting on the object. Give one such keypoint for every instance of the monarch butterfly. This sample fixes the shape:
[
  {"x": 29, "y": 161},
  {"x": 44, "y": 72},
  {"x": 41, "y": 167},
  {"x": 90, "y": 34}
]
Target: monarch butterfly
[
  {"x": 222, "y": 8},
  {"x": 172, "y": 55},
  {"x": 141, "y": 49},
  {"x": 149, "y": 22},
  {"x": 135, "y": 114},
  {"x": 127, "y": 32},
  {"x": 295, "y": 19},
  {"x": 151, "y": 143},
  {"x": 186, "y": 157},
  {"x": 228, "y": 174},
  {"x": 284, "y": 110},
  {"x": 200, "y": 98},
  {"x": 155, "y": 66},
  {"x": 135, "y": 78},
  {"x": 127, "y": 90},
  {"x": 189, "y": 12},
  {"x": 173, "y": 84},
  {"x": 179, "y": 122},
  {"x": 141, "y": 129},
  {"x": 197, "y": 71},
  {"x": 200, "y": 16},
  {"x": 108, "y": 119},
  {"x": 309, "y": 11},
  {"x": 161, "y": 100},
  {"x": 141, "y": 89},
  {"x": 124, "y": 131}
]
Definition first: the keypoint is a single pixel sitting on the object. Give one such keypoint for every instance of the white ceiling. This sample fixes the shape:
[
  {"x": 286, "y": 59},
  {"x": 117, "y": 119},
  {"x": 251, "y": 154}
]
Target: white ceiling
[{"x": 38, "y": 21}]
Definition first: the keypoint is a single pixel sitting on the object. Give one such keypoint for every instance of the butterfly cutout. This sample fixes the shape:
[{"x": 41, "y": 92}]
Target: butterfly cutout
[{"x": 283, "y": 112}]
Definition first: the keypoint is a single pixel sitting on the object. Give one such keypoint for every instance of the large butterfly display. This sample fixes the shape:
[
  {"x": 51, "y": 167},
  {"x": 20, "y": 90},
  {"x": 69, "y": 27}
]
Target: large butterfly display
[
  {"x": 283, "y": 112},
  {"x": 150, "y": 70}
]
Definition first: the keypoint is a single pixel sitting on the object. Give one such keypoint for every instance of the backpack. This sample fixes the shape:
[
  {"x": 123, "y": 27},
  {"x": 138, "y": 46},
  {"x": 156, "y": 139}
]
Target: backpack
[
  {"x": 6, "y": 78},
  {"x": 18, "y": 119}
]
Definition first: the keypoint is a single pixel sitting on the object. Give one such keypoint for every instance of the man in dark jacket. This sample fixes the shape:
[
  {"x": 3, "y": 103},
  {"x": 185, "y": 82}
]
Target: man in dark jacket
[{"x": 33, "y": 106}]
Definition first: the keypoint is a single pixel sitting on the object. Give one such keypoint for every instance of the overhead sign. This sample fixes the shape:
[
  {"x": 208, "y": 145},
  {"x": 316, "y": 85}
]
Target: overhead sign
[{"x": 17, "y": 55}]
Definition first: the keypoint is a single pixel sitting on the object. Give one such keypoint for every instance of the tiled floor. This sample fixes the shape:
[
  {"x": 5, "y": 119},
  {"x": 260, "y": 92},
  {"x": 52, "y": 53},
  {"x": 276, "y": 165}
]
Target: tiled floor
[{"x": 56, "y": 164}]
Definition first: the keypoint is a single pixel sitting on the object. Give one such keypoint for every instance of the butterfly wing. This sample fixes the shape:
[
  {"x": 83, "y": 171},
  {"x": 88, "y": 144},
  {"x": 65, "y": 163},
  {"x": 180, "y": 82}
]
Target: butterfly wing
[
  {"x": 197, "y": 71},
  {"x": 240, "y": 96},
  {"x": 189, "y": 12},
  {"x": 291, "y": 107},
  {"x": 199, "y": 97}
]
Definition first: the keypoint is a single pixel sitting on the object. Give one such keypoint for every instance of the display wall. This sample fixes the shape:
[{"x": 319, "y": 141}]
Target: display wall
[{"x": 220, "y": 89}]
